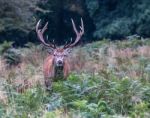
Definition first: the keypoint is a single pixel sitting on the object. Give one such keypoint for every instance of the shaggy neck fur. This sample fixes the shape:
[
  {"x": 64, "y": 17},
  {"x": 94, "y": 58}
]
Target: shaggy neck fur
[{"x": 59, "y": 72}]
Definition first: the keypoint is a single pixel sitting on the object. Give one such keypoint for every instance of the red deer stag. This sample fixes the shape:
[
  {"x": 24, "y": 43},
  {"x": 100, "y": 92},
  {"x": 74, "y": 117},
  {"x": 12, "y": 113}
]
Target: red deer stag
[{"x": 58, "y": 57}]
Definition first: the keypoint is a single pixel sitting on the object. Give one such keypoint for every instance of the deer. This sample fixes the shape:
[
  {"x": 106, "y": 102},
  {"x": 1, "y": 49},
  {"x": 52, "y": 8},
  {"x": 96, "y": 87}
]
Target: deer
[{"x": 57, "y": 61}]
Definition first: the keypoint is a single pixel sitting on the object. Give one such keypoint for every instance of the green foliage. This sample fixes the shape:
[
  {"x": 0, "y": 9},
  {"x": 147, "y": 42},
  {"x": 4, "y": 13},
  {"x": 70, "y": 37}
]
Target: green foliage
[
  {"x": 118, "y": 19},
  {"x": 96, "y": 96},
  {"x": 134, "y": 43},
  {"x": 103, "y": 19},
  {"x": 31, "y": 100},
  {"x": 17, "y": 20},
  {"x": 139, "y": 110},
  {"x": 12, "y": 56},
  {"x": 59, "y": 15},
  {"x": 109, "y": 92},
  {"x": 16, "y": 14},
  {"x": 2, "y": 110},
  {"x": 5, "y": 46}
]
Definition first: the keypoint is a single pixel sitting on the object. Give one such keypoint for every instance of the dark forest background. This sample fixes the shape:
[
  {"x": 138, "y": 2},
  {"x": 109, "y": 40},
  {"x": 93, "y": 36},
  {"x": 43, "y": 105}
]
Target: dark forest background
[{"x": 114, "y": 19}]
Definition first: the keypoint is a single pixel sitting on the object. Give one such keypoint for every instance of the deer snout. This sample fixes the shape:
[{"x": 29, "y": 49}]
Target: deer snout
[{"x": 59, "y": 62}]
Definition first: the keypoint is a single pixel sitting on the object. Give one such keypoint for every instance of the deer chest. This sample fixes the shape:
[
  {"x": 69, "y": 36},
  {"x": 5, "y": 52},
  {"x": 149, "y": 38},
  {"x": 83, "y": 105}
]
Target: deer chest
[{"x": 59, "y": 73}]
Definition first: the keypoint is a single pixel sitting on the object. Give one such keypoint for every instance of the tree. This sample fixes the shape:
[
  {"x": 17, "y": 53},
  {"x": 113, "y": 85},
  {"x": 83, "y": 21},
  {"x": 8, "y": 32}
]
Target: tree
[
  {"x": 17, "y": 19},
  {"x": 59, "y": 18},
  {"x": 117, "y": 19}
]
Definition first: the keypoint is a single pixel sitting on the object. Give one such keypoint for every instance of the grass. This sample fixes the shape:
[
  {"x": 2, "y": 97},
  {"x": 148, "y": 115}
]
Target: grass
[{"x": 108, "y": 80}]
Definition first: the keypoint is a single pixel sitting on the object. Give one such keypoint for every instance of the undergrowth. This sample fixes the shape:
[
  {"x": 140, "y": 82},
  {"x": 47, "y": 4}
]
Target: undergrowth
[{"x": 108, "y": 80}]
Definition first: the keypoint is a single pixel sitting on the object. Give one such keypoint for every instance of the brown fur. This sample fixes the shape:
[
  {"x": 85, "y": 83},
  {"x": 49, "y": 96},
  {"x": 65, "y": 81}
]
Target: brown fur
[
  {"x": 60, "y": 50},
  {"x": 66, "y": 69},
  {"x": 49, "y": 69}
]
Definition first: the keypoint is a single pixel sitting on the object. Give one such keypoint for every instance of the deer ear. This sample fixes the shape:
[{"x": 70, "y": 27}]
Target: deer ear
[
  {"x": 68, "y": 50},
  {"x": 50, "y": 51}
]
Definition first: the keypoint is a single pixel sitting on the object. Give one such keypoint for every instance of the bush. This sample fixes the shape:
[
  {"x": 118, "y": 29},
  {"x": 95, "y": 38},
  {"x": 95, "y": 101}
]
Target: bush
[
  {"x": 5, "y": 46},
  {"x": 12, "y": 57},
  {"x": 119, "y": 85},
  {"x": 118, "y": 19}
]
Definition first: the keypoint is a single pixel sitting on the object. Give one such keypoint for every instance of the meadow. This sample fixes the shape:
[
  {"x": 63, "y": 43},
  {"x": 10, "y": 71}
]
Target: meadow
[{"x": 109, "y": 79}]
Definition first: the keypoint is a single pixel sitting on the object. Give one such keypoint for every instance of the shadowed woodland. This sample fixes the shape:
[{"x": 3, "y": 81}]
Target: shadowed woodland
[
  {"x": 110, "y": 66},
  {"x": 112, "y": 19}
]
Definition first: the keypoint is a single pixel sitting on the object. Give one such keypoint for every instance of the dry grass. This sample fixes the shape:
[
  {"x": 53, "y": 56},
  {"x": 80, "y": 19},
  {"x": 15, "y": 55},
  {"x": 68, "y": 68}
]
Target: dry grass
[
  {"x": 126, "y": 60},
  {"x": 29, "y": 73}
]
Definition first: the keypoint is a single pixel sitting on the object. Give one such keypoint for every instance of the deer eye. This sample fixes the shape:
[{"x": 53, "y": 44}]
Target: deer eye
[{"x": 65, "y": 54}]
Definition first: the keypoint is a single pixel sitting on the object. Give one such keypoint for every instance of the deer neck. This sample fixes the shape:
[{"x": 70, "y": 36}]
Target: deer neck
[{"x": 59, "y": 72}]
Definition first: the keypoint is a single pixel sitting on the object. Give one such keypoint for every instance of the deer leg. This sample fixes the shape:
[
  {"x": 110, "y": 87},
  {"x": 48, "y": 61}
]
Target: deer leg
[
  {"x": 48, "y": 72},
  {"x": 66, "y": 69},
  {"x": 48, "y": 84}
]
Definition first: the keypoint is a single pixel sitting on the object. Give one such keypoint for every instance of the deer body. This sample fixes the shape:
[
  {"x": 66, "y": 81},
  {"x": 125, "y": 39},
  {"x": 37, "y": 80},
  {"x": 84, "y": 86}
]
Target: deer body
[
  {"x": 57, "y": 63},
  {"x": 52, "y": 72}
]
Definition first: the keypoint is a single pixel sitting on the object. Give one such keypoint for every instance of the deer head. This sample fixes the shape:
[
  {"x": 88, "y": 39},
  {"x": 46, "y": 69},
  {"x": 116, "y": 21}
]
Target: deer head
[{"x": 60, "y": 53}]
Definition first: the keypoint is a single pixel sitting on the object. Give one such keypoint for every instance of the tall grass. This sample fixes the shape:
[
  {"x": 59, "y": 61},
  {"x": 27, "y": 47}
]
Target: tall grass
[{"x": 108, "y": 79}]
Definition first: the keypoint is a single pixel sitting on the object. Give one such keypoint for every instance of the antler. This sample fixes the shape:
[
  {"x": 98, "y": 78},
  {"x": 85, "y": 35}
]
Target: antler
[
  {"x": 78, "y": 34},
  {"x": 40, "y": 33}
]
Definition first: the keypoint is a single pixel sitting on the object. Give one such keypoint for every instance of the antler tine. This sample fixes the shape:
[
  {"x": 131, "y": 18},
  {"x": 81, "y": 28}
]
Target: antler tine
[
  {"x": 74, "y": 27},
  {"x": 82, "y": 27},
  {"x": 45, "y": 27},
  {"x": 78, "y": 34},
  {"x": 40, "y": 33},
  {"x": 37, "y": 25},
  {"x": 66, "y": 45},
  {"x": 54, "y": 43}
]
